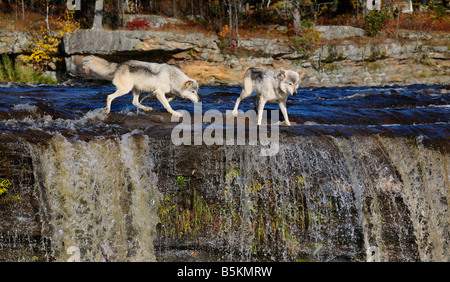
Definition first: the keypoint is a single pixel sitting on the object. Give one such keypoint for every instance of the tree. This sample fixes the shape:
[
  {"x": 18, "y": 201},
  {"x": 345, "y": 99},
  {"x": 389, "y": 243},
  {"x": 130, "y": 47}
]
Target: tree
[
  {"x": 234, "y": 11},
  {"x": 23, "y": 11},
  {"x": 98, "y": 14},
  {"x": 46, "y": 14}
]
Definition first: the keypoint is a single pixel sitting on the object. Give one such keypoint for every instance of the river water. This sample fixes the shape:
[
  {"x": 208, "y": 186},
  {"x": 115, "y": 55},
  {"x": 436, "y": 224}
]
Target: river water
[
  {"x": 413, "y": 109},
  {"x": 361, "y": 168}
]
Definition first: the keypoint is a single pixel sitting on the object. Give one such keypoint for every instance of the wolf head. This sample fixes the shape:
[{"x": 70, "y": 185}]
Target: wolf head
[
  {"x": 189, "y": 91},
  {"x": 288, "y": 81}
]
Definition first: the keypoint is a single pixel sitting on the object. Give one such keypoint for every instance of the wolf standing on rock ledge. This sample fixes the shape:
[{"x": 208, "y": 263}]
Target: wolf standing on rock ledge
[
  {"x": 137, "y": 76},
  {"x": 269, "y": 86}
]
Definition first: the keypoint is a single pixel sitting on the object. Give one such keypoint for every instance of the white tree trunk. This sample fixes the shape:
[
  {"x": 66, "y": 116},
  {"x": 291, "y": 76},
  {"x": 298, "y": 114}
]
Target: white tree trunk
[{"x": 98, "y": 16}]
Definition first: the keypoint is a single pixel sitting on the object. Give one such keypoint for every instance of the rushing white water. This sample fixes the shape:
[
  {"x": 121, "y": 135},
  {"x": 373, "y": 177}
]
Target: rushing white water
[
  {"x": 320, "y": 198},
  {"x": 425, "y": 176},
  {"x": 98, "y": 193},
  {"x": 329, "y": 198}
]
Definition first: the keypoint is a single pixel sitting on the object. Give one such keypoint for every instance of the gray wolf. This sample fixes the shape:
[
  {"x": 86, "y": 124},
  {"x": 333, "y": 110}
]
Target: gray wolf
[
  {"x": 137, "y": 76},
  {"x": 269, "y": 86}
]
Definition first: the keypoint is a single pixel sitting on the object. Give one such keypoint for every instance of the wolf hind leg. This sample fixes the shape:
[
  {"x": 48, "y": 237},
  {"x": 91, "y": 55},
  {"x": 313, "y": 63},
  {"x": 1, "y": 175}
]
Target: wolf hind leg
[
  {"x": 136, "y": 102},
  {"x": 261, "y": 104},
  {"x": 122, "y": 88},
  {"x": 246, "y": 91},
  {"x": 256, "y": 102},
  {"x": 113, "y": 96}
]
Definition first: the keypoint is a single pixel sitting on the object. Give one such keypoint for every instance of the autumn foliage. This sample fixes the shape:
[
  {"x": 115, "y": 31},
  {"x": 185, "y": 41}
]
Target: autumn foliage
[
  {"x": 44, "y": 48},
  {"x": 138, "y": 24}
]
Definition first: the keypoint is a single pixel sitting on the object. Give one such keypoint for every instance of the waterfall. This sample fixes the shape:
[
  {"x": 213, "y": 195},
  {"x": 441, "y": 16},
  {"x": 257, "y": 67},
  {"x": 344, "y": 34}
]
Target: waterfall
[
  {"x": 425, "y": 177},
  {"x": 321, "y": 198},
  {"x": 98, "y": 196}
]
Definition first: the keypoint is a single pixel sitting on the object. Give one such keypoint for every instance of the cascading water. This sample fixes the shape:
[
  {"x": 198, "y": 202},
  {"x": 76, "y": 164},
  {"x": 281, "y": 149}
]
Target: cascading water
[
  {"x": 425, "y": 177},
  {"x": 98, "y": 196},
  {"x": 363, "y": 180},
  {"x": 325, "y": 198}
]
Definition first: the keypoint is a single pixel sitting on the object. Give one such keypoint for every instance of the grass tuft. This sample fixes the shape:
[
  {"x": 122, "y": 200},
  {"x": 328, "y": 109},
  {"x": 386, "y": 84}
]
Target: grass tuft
[{"x": 21, "y": 72}]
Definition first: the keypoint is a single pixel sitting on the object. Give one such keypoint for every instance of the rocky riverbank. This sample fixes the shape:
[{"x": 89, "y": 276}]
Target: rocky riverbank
[{"x": 345, "y": 57}]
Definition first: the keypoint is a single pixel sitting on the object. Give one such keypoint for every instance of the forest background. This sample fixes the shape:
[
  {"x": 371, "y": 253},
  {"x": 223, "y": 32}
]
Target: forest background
[
  {"x": 213, "y": 15},
  {"x": 229, "y": 19}
]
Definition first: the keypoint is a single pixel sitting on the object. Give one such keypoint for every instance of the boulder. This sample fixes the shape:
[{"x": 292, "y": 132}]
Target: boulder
[
  {"x": 338, "y": 31},
  {"x": 155, "y": 21},
  {"x": 96, "y": 41},
  {"x": 270, "y": 46},
  {"x": 14, "y": 42},
  {"x": 157, "y": 46},
  {"x": 109, "y": 42}
]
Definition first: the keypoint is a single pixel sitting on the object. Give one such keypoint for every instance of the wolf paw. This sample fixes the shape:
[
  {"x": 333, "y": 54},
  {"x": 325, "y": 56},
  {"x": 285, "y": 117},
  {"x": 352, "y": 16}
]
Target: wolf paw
[{"x": 177, "y": 114}]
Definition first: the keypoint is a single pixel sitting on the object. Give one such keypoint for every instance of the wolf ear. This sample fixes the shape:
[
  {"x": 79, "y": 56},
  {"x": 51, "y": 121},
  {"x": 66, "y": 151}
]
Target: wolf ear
[
  {"x": 188, "y": 84},
  {"x": 281, "y": 75}
]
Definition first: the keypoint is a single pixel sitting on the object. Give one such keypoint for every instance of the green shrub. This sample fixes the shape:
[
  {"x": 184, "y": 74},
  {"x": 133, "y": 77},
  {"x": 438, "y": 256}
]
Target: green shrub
[
  {"x": 440, "y": 11},
  {"x": 306, "y": 42},
  {"x": 375, "y": 21},
  {"x": 21, "y": 72}
]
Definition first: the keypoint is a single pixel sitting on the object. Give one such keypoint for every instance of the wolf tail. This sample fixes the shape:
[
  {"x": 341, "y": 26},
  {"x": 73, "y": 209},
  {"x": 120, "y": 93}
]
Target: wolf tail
[
  {"x": 248, "y": 83},
  {"x": 100, "y": 66}
]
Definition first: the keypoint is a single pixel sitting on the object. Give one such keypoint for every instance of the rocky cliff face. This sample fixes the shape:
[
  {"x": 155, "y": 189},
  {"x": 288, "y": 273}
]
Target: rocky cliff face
[
  {"x": 346, "y": 58},
  {"x": 343, "y": 60}
]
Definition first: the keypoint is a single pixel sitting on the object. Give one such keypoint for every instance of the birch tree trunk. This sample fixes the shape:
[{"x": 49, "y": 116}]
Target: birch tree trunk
[{"x": 98, "y": 16}]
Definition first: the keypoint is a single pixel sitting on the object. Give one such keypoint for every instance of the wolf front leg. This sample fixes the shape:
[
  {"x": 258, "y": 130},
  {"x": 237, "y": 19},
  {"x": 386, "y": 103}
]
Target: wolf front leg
[
  {"x": 162, "y": 98},
  {"x": 283, "y": 109},
  {"x": 244, "y": 94}
]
